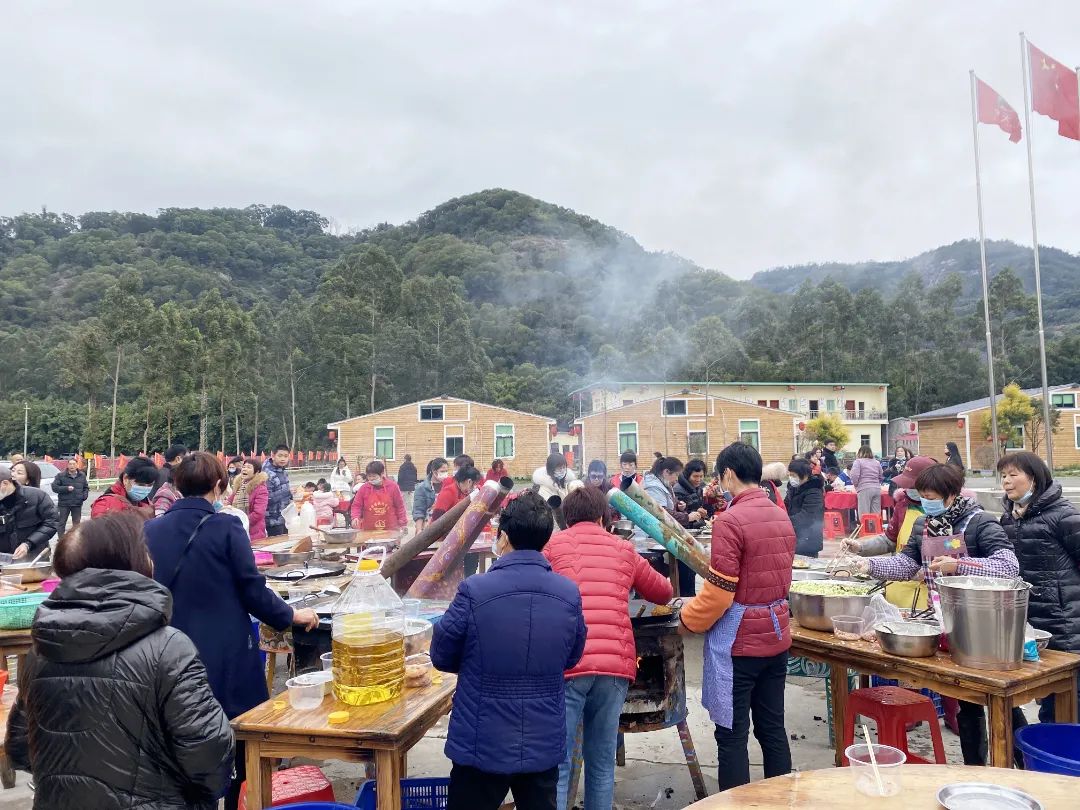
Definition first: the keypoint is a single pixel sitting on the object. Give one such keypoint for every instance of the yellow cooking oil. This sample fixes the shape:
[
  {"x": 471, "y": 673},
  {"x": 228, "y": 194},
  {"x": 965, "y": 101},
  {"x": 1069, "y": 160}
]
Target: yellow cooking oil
[{"x": 368, "y": 640}]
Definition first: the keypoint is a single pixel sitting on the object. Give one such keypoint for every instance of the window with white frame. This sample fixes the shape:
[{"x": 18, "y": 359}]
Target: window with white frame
[
  {"x": 384, "y": 442},
  {"x": 431, "y": 413},
  {"x": 504, "y": 441},
  {"x": 864, "y": 440},
  {"x": 1076, "y": 430},
  {"x": 628, "y": 437},
  {"x": 1015, "y": 440},
  {"x": 1063, "y": 400},
  {"x": 697, "y": 443},
  {"x": 750, "y": 432},
  {"x": 454, "y": 440},
  {"x": 793, "y": 405},
  {"x": 674, "y": 407}
]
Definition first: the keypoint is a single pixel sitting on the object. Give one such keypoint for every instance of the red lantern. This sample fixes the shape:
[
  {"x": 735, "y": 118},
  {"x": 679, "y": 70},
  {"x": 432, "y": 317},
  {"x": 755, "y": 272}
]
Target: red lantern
[
  {"x": 802, "y": 425},
  {"x": 332, "y": 435},
  {"x": 960, "y": 424}
]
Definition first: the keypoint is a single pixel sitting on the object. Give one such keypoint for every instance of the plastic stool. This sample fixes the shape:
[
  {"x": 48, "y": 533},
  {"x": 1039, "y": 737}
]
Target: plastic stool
[
  {"x": 893, "y": 708},
  {"x": 833, "y": 526},
  {"x": 305, "y": 783},
  {"x": 869, "y": 525}
]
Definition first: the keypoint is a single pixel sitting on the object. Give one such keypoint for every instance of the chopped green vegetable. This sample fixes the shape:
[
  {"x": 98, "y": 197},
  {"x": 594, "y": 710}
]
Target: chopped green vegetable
[{"x": 819, "y": 587}]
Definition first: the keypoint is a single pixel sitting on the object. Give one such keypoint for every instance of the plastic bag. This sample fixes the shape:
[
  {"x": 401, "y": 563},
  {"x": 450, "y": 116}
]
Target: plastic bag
[{"x": 878, "y": 611}]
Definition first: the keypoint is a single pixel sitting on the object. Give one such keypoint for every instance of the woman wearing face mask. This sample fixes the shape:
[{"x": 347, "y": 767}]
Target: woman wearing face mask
[
  {"x": 554, "y": 480},
  {"x": 378, "y": 505},
  {"x": 953, "y": 536},
  {"x": 132, "y": 489},
  {"x": 805, "y": 504},
  {"x": 465, "y": 479},
  {"x": 438, "y": 470},
  {"x": 205, "y": 560},
  {"x": 250, "y": 495},
  {"x": 1045, "y": 532},
  {"x": 659, "y": 483},
  {"x": 907, "y": 509}
]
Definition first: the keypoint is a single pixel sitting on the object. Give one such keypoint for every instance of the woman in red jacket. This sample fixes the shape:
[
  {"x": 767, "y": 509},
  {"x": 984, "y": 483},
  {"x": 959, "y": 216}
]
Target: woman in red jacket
[
  {"x": 455, "y": 489},
  {"x": 605, "y": 568},
  {"x": 743, "y": 609},
  {"x": 250, "y": 496},
  {"x": 378, "y": 505}
]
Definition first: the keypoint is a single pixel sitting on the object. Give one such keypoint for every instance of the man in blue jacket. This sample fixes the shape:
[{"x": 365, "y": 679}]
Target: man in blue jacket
[
  {"x": 279, "y": 492},
  {"x": 510, "y": 634}
]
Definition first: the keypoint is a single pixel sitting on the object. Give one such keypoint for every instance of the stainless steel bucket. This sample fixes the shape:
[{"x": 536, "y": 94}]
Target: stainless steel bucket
[{"x": 984, "y": 619}]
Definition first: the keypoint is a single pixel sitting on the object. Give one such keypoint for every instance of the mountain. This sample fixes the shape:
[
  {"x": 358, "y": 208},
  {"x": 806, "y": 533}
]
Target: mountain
[
  {"x": 219, "y": 327},
  {"x": 1060, "y": 274}
]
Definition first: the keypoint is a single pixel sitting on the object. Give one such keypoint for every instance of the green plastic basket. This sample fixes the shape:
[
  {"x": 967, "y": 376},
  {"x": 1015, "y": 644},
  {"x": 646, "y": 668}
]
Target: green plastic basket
[{"x": 17, "y": 612}]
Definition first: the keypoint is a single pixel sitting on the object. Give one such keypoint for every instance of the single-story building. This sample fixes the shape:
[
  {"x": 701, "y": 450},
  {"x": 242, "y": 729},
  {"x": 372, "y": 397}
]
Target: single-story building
[
  {"x": 963, "y": 424},
  {"x": 447, "y": 427},
  {"x": 687, "y": 425}
]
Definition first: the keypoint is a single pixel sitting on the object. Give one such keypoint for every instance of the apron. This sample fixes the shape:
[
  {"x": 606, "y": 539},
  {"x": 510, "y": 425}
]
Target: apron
[
  {"x": 717, "y": 677},
  {"x": 951, "y": 545},
  {"x": 901, "y": 593}
]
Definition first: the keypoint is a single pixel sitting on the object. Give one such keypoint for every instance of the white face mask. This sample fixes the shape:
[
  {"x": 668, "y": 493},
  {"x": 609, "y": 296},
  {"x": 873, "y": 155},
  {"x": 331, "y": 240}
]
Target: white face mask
[{"x": 792, "y": 481}]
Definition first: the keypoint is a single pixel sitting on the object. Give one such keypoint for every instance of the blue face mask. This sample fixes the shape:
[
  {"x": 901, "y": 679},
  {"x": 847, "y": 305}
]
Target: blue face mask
[
  {"x": 139, "y": 492},
  {"x": 913, "y": 495},
  {"x": 219, "y": 505},
  {"x": 933, "y": 508},
  {"x": 1027, "y": 496}
]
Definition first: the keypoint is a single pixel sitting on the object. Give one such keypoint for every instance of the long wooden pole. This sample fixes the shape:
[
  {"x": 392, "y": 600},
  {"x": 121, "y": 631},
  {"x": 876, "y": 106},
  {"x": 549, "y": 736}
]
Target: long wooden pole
[
  {"x": 422, "y": 540},
  {"x": 638, "y": 495}
]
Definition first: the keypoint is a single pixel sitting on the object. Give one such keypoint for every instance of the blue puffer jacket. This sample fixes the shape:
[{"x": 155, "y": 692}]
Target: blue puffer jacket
[
  {"x": 278, "y": 491},
  {"x": 510, "y": 634},
  {"x": 423, "y": 500}
]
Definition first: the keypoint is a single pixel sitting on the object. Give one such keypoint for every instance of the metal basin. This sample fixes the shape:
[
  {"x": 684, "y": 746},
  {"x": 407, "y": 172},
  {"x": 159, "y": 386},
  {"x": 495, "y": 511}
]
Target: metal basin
[
  {"x": 291, "y": 557},
  {"x": 31, "y": 572},
  {"x": 815, "y": 612},
  {"x": 623, "y": 528},
  {"x": 908, "y": 639},
  {"x": 805, "y": 574}
]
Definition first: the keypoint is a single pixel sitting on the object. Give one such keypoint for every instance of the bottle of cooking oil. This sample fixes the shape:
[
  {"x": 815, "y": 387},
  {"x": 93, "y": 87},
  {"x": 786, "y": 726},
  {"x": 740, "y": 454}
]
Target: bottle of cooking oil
[{"x": 368, "y": 639}]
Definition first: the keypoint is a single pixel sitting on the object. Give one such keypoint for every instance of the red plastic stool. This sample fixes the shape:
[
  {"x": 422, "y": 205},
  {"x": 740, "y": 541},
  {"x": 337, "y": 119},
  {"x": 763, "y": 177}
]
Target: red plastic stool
[
  {"x": 304, "y": 783},
  {"x": 869, "y": 525},
  {"x": 893, "y": 708},
  {"x": 833, "y": 526}
]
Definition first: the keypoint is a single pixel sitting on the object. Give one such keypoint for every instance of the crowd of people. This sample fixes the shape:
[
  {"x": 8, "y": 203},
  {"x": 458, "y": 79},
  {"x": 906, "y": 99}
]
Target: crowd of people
[{"x": 161, "y": 585}]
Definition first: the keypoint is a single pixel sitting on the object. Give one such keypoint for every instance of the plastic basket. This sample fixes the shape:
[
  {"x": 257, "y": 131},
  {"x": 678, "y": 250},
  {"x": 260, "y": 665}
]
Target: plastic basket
[
  {"x": 416, "y": 794},
  {"x": 314, "y": 806},
  {"x": 17, "y": 612},
  {"x": 1050, "y": 747}
]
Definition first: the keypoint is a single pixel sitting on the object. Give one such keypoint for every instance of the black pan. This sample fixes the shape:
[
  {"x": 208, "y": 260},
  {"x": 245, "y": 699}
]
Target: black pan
[
  {"x": 300, "y": 572},
  {"x": 646, "y": 610}
]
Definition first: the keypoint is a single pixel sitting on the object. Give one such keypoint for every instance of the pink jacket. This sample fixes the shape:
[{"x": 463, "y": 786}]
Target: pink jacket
[
  {"x": 605, "y": 568},
  {"x": 324, "y": 503},
  {"x": 257, "y": 501}
]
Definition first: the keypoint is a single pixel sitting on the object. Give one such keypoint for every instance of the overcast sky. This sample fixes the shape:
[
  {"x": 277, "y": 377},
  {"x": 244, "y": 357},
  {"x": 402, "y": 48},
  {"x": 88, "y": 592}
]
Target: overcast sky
[{"x": 740, "y": 135}]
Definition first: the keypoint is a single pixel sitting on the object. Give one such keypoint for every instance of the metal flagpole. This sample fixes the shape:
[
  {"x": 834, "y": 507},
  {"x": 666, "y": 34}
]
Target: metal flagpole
[
  {"x": 1047, "y": 427},
  {"x": 985, "y": 285}
]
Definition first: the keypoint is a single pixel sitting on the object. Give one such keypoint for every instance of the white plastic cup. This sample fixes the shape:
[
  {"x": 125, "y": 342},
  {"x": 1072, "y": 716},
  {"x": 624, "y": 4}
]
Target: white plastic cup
[
  {"x": 305, "y": 692},
  {"x": 889, "y": 762},
  {"x": 412, "y": 608},
  {"x": 327, "y": 660}
]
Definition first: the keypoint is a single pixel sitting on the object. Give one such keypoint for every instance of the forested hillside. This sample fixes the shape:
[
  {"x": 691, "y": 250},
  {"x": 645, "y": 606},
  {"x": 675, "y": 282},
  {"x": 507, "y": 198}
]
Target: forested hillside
[{"x": 218, "y": 326}]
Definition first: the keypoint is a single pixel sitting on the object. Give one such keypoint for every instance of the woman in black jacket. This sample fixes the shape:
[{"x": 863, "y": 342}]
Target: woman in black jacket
[
  {"x": 805, "y": 502},
  {"x": 952, "y": 455},
  {"x": 1045, "y": 532},
  {"x": 114, "y": 710}
]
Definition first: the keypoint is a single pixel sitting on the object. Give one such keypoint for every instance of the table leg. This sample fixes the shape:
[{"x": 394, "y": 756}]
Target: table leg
[
  {"x": 1065, "y": 703},
  {"x": 3, "y": 659},
  {"x": 404, "y": 764},
  {"x": 838, "y": 683},
  {"x": 388, "y": 779},
  {"x": 1001, "y": 732},
  {"x": 691, "y": 760},
  {"x": 259, "y": 777},
  {"x": 673, "y": 573},
  {"x": 271, "y": 665}
]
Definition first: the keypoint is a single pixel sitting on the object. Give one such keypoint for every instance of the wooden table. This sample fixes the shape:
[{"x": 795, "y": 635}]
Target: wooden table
[
  {"x": 384, "y": 732},
  {"x": 16, "y": 643},
  {"x": 832, "y": 788},
  {"x": 1054, "y": 675}
]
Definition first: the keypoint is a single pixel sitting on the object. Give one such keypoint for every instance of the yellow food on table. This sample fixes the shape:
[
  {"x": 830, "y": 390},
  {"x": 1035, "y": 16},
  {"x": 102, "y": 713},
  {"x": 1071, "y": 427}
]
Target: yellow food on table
[{"x": 662, "y": 610}]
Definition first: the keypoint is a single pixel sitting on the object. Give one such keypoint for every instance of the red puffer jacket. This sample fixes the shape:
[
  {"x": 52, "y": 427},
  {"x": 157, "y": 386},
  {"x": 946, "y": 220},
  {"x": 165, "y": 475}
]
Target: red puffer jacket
[
  {"x": 605, "y": 568},
  {"x": 753, "y": 540}
]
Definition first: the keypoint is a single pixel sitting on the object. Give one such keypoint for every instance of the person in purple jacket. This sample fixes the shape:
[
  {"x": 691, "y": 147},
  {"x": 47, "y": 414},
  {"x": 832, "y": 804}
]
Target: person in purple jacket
[{"x": 510, "y": 634}]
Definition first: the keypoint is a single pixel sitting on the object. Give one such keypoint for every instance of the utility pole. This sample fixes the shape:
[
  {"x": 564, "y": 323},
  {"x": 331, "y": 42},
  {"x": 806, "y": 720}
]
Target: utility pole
[{"x": 26, "y": 426}]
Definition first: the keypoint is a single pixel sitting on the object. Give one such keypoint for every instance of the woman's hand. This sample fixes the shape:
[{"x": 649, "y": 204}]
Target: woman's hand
[
  {"x": 306, "y": 617},
  {"x": 851, "y": 545},
  {"x": 21, "y": 551},
  {"x": 355, "y": 523},
  {"x": 944, "y": 565}
]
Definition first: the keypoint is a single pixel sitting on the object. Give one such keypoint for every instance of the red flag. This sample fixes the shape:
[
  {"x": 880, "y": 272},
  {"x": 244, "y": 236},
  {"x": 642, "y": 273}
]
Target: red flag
[
  {"x": 995, "y": 110},
  {"x": 1054, "y": 92}
]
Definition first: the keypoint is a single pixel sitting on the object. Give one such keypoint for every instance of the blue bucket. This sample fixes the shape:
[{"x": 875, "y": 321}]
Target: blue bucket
[{"x": 1051, "y": 748}]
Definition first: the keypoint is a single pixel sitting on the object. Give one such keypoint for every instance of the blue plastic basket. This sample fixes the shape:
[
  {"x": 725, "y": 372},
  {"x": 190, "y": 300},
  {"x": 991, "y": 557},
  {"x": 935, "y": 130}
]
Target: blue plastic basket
[
  {"x": 17, "y": 612},
  {"x": 416, "y": 794},
  {"x": 876, "y": 680},
  {"x": 1050, "y": 747}
]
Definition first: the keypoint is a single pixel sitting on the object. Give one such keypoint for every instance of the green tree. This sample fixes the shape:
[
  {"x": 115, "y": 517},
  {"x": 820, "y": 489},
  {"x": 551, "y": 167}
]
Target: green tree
[
  {"x": 123, "y": 314},
  {"x": 828, "y": 427},
  {"x": 1014, "y": 411}
]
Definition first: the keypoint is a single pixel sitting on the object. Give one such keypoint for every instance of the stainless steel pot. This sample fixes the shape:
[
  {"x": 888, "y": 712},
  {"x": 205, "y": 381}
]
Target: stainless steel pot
[
  {"x": 805, "y": 574},
  {"x": 31, "y": 572},
  {"x": 908, "y": 639},
  {"x": 290, "y": 557},
  {"x": 984, "y": 619},
  {"x": 816, "y": 612},
  {"x": 623, "y": 528}
]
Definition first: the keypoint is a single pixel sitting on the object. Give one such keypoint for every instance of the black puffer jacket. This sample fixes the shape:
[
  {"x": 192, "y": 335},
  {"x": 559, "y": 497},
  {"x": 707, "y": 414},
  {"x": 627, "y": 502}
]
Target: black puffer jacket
[
  {"x": 692, "y": 496},
  {"x": 27, "y": 516},
  {"x": 1046, "y": 540},
  {"x": 806, "y": 508},
  {"x": 114, "y": 710}
]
